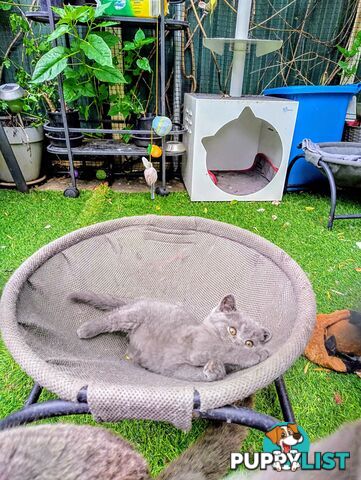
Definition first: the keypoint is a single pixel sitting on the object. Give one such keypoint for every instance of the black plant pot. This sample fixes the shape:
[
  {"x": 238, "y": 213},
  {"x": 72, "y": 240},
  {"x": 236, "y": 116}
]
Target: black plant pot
[
  {"x": 58, "y": 138},
  {"x": 145, "y": 123}
]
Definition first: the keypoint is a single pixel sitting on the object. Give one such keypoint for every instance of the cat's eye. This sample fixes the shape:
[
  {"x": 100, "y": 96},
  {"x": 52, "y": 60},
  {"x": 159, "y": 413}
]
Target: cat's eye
[
  {"x": 232, "y": 331},
  {"x": 249, "y": 343}
]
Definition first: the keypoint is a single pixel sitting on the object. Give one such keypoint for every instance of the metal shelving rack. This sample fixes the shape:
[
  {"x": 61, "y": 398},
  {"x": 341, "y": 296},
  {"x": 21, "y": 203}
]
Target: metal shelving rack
[{"x": 103, "y": 147}]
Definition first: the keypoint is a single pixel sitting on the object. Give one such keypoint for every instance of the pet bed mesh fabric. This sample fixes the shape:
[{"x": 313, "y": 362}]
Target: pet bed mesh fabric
[
  {"x": 344, "y": 159},
  {"x": 176, "y": 259}
]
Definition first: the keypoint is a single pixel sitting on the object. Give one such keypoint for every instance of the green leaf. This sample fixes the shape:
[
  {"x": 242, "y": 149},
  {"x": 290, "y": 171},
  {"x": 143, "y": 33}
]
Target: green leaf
[
  {"x": 108, "y": 38},
  {"x": 99, "y": 11},
  {"x": 75, "y": 72},
  {"x": 147, "y": 41},
  {"x": 108, "y": 74},
  {"x": 75, "y": 45},
  {"x": 143, "y": 64},
  {"x": 129, "y": 46},
  {"x": 59, "y": 11},
  {"x": 107, "y": 24},
  {"x": 84, "y": 13},
  {"x": 18, "y": 23},
  {"x": 50, "y": 65},
  {"x": 103, "y": 92},
  {"x": 344, "y": 51},
  {"x": 114, "y": 110},
  {"x": 5, "y": 5},
  {"x": 96, "y": 49},
  {"x": 6, "y": 63},
  {"x": 58, "y": 32},
  {"x": 88, "y": 90},
  {"x": 139, "y": 36},
  {"x": 71, "y": 91},
  {"x": 86, "y": 112}
]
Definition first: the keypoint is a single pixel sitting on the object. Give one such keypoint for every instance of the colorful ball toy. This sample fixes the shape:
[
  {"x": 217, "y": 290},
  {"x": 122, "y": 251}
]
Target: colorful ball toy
[
  {"x": 101, "y": 175},
  {"x": 162, "y": 125},
  {"x": 154, "y": 151}
]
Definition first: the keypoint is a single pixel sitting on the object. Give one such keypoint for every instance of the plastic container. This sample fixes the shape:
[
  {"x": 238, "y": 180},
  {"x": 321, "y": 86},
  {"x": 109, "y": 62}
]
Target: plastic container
[
  {"x": 27, "y": 145},
  {"x": 135, "y": 8},
  {"x": 321, "y": 117}
]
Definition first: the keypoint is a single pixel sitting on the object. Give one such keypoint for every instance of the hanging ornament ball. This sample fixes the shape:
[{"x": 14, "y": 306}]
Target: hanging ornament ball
[
  {"x": 154, "y": 151},
  {"x": 162, "y": 125},
  {"x": 76, "y": 173}
]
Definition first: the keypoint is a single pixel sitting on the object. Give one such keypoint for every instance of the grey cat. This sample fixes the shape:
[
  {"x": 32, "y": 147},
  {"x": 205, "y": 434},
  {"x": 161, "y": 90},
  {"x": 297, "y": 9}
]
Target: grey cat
[{"x": 164, "y": 338}]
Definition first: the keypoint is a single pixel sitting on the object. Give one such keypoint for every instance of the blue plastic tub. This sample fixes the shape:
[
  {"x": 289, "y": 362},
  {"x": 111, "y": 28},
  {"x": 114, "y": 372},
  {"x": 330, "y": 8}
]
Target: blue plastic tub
[{"x": 321, "y": 117}]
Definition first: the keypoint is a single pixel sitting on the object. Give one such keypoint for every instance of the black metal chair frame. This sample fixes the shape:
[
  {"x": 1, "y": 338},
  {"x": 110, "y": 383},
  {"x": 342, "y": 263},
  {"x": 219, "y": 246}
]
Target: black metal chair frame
[
  {"x": 34, "y": 411},
  {"x": 333, "y": 191}
]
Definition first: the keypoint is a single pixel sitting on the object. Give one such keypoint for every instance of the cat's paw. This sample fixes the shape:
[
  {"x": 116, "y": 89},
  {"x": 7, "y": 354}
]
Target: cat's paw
[
  {"x": 214, "y": 370},
  {"x": 86, "y": 331},
  {"x": 263, "y": 354}
]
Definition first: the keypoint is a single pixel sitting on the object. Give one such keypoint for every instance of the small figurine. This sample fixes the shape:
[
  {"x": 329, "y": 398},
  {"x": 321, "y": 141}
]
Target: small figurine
[{"x": 150, "y": 175}]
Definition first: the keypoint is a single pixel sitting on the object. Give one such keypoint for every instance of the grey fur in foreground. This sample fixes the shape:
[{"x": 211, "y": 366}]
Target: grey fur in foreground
[
  {"x": 74, "y": 452},
  {"x": 164, "y": 338},
  {"x": 68, "y": 452},
  {"x": 209, "y": 457}
]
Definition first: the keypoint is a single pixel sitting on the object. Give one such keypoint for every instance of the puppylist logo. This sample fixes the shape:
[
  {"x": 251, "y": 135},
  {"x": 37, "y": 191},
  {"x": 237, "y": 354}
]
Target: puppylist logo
[{"x": 286, "y": 447}]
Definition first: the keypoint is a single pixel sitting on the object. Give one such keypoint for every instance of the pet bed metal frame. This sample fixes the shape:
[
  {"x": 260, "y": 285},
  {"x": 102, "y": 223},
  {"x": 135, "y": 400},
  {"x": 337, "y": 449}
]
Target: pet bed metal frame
[
  {"x": 333, "y": 190},
  {"x": 34, "y": 411},
  {"x": 76, "y": 394}
]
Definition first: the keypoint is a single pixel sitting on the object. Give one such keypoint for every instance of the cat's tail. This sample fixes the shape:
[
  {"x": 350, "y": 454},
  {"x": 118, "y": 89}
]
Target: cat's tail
[
  {"x": 209, "y": 457},
  {"x": 100, "y": 301}
]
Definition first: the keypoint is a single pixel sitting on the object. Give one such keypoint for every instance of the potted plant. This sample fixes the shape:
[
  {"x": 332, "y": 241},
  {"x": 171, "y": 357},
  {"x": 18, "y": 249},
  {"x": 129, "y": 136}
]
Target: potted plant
[
  {"x": 41, "y": 97},
  {"x": 132, "y": 107},
  {"x": 25, "y": 134},
  {"x": 24, "y": 117},
  {"x": 87, "y": 65}
]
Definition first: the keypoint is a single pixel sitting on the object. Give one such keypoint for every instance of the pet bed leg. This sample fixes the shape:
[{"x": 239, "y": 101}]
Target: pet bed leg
[
  {"x": 34, "y": 395},
  {"x": 39, "y": 411},
  {"x": 241, "y": 415},
  {"x": 326, "y": 168},
  {"x": 285, "y": 403},
  {"x": 289, "y": 168}
]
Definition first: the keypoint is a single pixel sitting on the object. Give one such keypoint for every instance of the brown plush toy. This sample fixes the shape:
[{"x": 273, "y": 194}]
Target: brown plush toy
[{"x": 336, "y": 341}]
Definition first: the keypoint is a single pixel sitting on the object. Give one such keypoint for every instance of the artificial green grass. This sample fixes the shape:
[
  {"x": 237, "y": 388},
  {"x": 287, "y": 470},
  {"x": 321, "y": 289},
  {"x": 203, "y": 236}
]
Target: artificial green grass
[{"x": 322, "y": 400}]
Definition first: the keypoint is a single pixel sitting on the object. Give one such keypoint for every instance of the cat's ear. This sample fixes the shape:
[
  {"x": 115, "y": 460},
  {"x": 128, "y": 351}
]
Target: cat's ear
[
  {"x": 266, "y": 335},
  {"x": 227, "y": 304}
]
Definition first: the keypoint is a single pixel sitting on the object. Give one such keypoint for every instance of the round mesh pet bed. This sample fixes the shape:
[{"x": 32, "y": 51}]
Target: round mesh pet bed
[
  {"x": 177, "y": 259},
  {"x": 340, "y": 162}
]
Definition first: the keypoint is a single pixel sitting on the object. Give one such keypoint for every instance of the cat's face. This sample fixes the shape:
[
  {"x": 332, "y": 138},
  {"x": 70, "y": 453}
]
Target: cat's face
[{"x": 236, "y": 327}]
